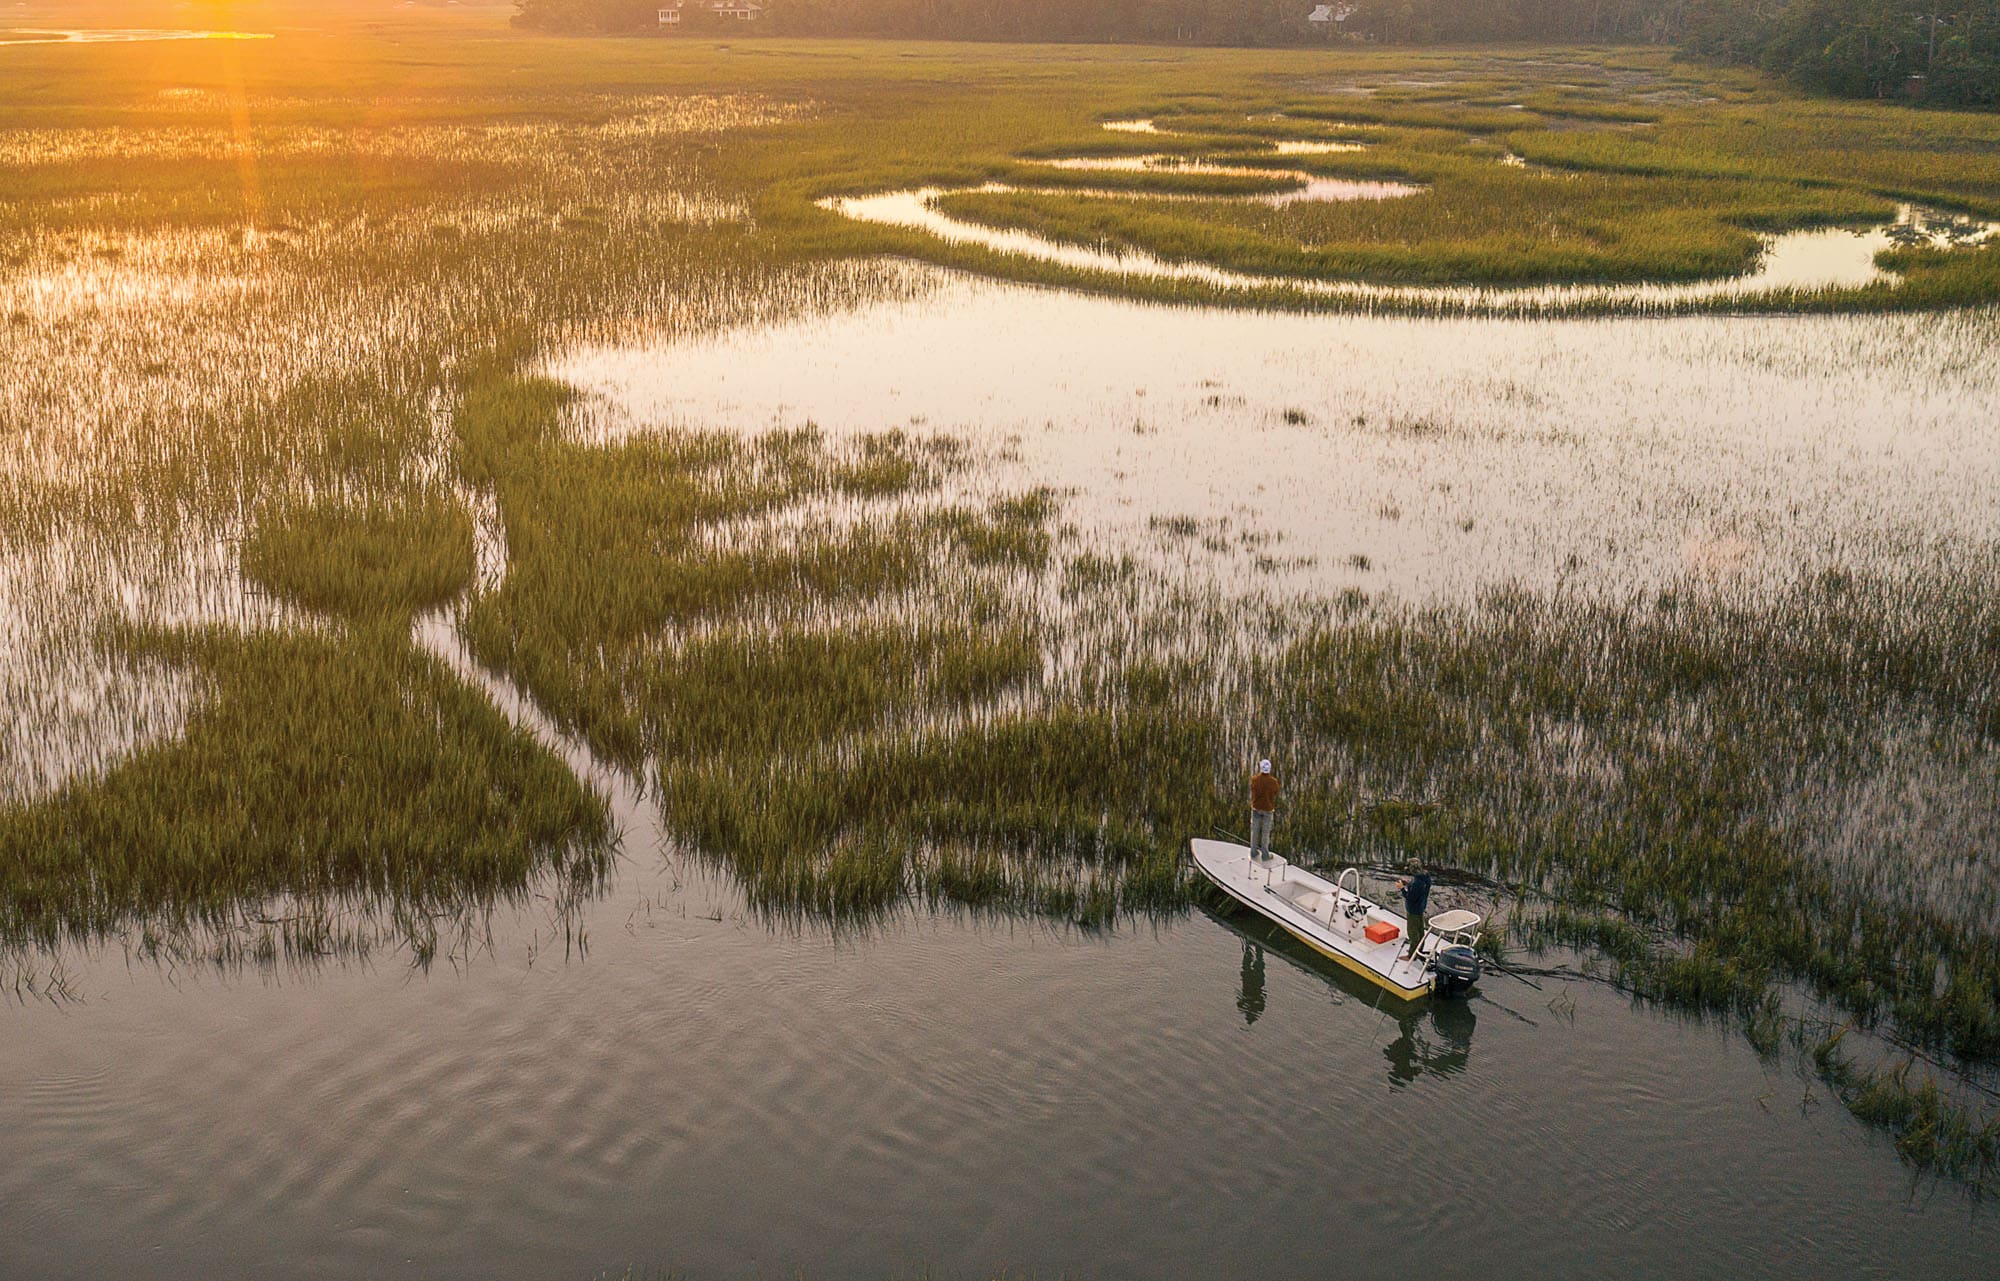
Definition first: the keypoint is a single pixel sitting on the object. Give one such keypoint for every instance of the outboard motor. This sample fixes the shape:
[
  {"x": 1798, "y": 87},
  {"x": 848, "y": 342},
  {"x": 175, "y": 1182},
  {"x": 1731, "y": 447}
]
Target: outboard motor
[{"x": 1454, "y": 970}]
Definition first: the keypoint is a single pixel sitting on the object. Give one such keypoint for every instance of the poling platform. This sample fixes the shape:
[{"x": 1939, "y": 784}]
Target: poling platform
[{"x": 1333, "y": 918}]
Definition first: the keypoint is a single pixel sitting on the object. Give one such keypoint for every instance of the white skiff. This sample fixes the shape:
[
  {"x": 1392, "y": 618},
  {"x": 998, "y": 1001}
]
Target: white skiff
[{"x": 1333, "y": 918}]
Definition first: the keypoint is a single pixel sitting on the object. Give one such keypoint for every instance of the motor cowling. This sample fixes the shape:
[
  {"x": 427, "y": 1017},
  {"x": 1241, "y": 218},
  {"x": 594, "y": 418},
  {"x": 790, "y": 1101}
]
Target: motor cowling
[{"x": 1454, "y": 970}]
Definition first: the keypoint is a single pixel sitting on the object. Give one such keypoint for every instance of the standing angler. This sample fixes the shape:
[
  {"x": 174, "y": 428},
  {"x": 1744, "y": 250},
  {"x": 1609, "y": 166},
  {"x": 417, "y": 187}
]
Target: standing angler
[
  {"x": 1263, "y": 809},
  {"x": 1416, "y": 889}
]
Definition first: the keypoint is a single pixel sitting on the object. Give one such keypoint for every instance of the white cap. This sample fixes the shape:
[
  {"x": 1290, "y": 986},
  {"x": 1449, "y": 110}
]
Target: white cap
[{"x": 1263, "y": 767}]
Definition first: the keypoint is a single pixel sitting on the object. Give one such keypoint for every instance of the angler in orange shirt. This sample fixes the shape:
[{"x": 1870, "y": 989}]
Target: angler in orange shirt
[{"x": 1263, "y": 809}]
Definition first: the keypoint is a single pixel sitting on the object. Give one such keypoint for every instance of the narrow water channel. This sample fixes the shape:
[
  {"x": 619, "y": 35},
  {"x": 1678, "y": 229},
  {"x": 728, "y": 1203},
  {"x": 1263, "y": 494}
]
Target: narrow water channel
[{"x": 1798, "y": 262}]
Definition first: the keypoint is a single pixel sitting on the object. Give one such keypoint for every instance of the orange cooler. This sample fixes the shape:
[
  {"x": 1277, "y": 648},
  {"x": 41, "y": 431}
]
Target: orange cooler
[{"x": 1381, "y": 931}]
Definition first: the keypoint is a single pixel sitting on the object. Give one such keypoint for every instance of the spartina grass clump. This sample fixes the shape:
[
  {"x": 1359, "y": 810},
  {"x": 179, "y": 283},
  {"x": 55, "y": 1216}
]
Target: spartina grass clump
[
  {"x": 1666, "y": 759},
  {"x": 342, "y": 771},
  {"x": 1935, "y": 1126},
  {"x": 362, "y": 559}
]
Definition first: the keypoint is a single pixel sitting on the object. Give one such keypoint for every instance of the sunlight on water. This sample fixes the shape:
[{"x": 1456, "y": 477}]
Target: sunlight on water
[
  {"x": 1427, "y": 456},
  {"x": 1792, "y": 262},
  {"x": 1309, "y": 186},
  {"x": 1303, "y": 147},
  {"x": 1278, "y": 147},
  {"x": 70, "y": 707},
  {"x": 118, "y": 35}
]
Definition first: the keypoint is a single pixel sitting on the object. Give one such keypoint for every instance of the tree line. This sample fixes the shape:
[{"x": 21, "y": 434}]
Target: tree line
[
  {"x": 1943, "y": 51},
  {"x": 1871, "y": 48}
]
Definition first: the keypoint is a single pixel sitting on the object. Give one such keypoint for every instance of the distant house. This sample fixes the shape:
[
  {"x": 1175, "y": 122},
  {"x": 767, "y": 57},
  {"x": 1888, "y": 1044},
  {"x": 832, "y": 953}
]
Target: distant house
[
  {"x": 673, "y": 12},
  {"x": 1329, "y": 22}
]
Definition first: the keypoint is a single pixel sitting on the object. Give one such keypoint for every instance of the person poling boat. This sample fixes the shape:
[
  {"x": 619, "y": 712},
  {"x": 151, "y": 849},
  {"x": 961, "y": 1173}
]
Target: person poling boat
[{"x": 1409, "y": 955}]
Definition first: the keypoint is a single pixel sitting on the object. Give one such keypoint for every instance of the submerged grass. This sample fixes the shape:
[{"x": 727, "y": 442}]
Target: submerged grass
[{"x": 1934, "y": 1128}]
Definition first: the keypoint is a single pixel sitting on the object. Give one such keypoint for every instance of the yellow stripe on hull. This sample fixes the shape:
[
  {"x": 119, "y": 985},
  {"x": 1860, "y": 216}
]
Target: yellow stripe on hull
[{"x": 1349, "y": 963}]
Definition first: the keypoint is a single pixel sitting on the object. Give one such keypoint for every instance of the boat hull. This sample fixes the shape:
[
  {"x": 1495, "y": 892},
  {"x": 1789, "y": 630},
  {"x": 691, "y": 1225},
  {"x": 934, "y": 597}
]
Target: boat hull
[{"x": 1314, "y": 911}]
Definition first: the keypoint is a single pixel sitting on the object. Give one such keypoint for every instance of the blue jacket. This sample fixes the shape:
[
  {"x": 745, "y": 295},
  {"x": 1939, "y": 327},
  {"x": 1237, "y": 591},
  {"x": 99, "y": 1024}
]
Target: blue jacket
[{"x": 1417, "y": 894}]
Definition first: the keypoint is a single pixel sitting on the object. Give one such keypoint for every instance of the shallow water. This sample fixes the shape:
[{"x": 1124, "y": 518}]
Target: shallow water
[
  {"x": 701, "y": 1094},
  {"x": 1801, "y": 261},
  {"x": 117, "y": 35},
  {"x": 1305, "y": 186},
  {"x": 1446, "y": 454},
  {"x": 1791, "y": 262}
]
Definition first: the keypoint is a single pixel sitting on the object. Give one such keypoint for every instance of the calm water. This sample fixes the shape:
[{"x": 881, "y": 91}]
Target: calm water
[
  {"x": 120, "y": 35},
  {"x": 1180, "y": 1101},
  {"x": 701, "y": 1091},
  {"x": 1450, "y": 454}
]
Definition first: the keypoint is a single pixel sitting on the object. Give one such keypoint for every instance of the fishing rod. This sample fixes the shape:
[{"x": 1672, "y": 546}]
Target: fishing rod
[{"x": 1493, "y": 962}]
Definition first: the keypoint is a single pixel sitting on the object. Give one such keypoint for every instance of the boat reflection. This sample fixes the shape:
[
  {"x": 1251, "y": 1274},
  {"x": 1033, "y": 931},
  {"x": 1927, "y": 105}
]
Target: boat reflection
[
  {"x": 1432, "y": 1036},
  {"x": 1442, "y": 1051},
  {"x": 1250, "y": 999}
]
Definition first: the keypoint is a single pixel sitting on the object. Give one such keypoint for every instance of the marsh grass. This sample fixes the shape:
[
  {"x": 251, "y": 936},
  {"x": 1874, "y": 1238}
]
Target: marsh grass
[
  {"x": 333, "y": 770},
  {"x": 1658, "y": 759},
  {"x": 836, "y": 756},
  {"x": 1474, "y": 222},
  {"x": 1675, "y": 187},
  {"x": 245, "y": 375},
  {"x": 854, "y": 682},
  {"x": 365, "y": 559},
  {"x": 1934, "y": 1127}
]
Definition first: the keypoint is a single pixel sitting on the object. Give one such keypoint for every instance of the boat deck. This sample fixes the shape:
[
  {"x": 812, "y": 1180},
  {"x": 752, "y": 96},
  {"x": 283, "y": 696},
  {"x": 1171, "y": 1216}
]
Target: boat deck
[{"x": 1318, "y": 913}]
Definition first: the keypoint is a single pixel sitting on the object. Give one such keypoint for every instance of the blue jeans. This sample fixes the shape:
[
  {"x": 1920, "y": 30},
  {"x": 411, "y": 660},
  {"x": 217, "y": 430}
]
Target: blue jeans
[{"x": 1260, "y": 830}]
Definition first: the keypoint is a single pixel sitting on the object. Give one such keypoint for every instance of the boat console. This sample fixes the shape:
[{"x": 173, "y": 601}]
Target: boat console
[{"x": 1353, "y": 920}]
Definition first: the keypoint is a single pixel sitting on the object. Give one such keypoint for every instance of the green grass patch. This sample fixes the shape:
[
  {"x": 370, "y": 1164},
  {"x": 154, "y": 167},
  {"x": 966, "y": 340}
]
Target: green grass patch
[
  {"x": 320, "y": 773},
  {"x": 363, "y": 560}
]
